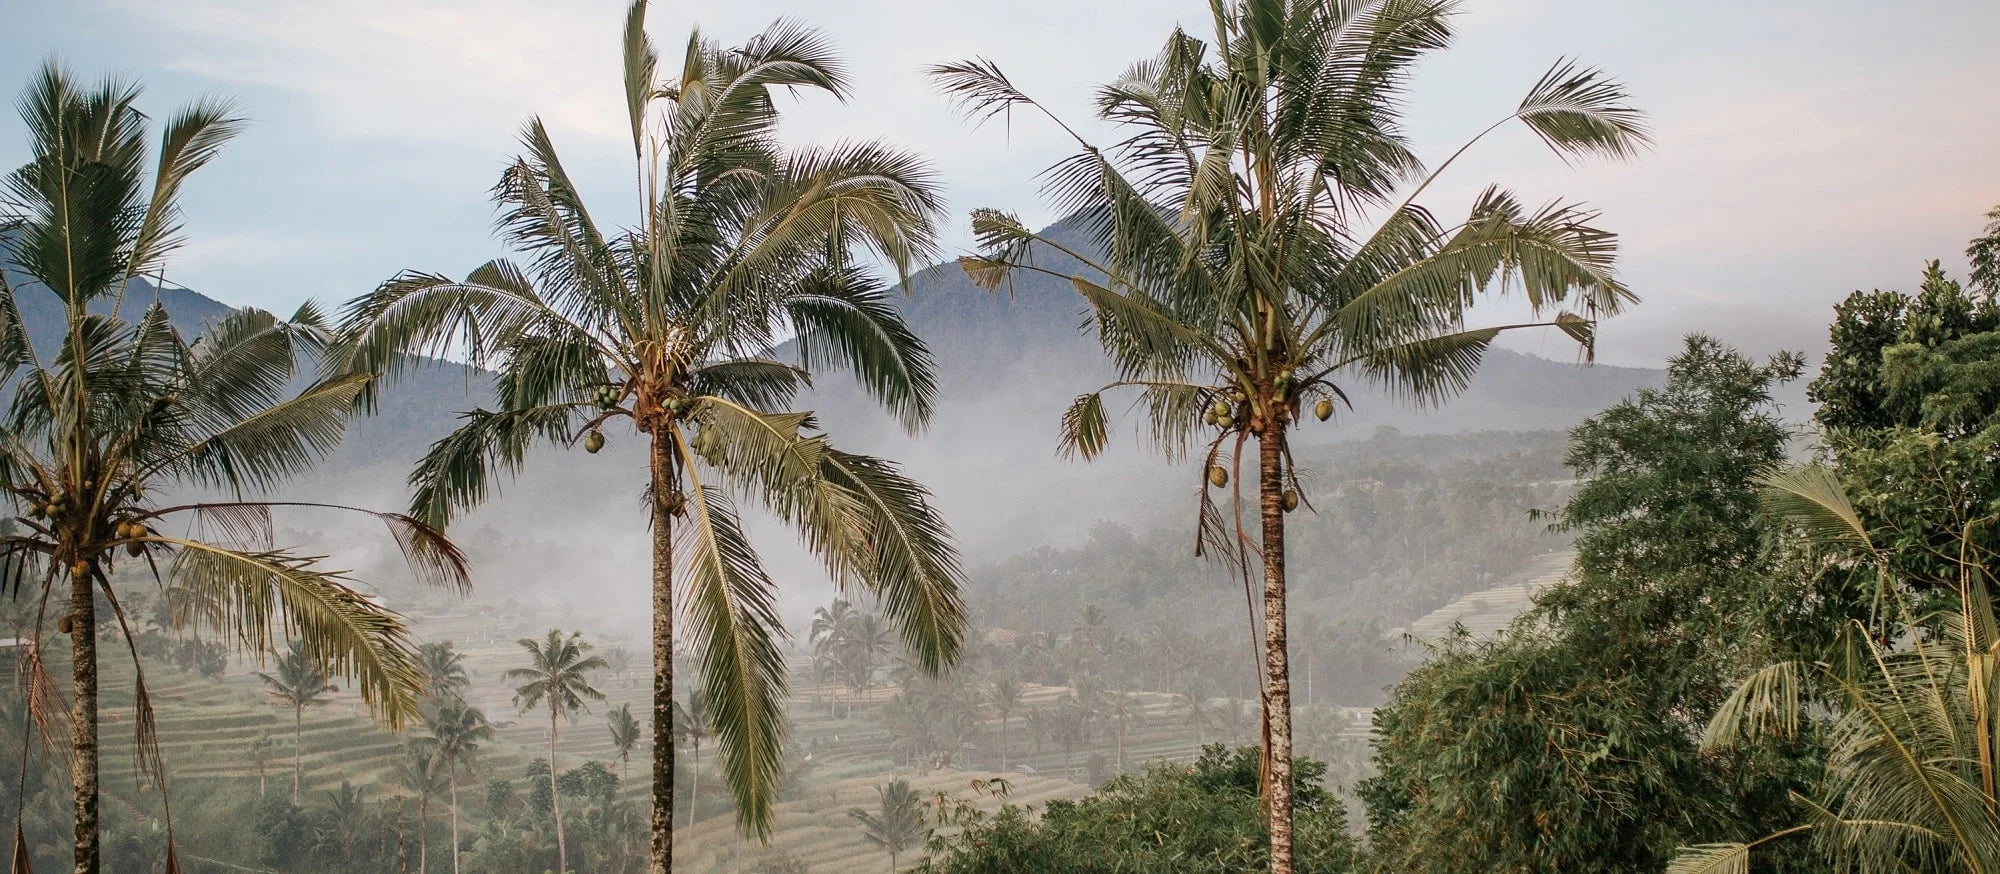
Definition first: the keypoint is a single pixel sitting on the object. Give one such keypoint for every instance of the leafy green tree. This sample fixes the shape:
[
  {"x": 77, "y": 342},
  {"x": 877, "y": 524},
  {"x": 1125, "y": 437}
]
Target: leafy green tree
[
  {"x": 1568, "y": 743},
  {"x": 558, "y": 678},
  {"x": 1910, "y": 405},
  {"x": 1242, "y": 284},
  {"x": 121, "y": 409},
  {"x": 298, "y": 684},
  {"x": 1197, "y": 818},
  {"x": 897, "y": 822},
  {"x": 456, "y": 729},
  {"x": 1906, "y": 706},
  {"x": 624, "y": 733},
  {"x": 674, "y": 326}
]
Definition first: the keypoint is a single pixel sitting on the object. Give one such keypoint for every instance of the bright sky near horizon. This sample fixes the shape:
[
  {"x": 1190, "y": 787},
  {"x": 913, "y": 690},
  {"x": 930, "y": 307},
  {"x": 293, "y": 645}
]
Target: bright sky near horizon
[{"x": 1804, "y": 147}]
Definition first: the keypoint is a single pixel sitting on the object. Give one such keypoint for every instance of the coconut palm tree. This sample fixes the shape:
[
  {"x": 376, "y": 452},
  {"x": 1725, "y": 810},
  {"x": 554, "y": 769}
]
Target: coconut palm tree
[
  {"x": 1003, "y": 694},
  {"x": 624, "y": 735},
  {"x": 1263, "y": 247},
  {"x": 298, "y": 685},
  {"x": 897, "y": 823},
  {"x": 260, "y": 756},
  {"x": 673, "y": 326},
  {"x": 121, "y": 408},
  {"x": 444, "y": 670},
  {"x": 456, "y": 729},
  {"x": 558, "y": 678},
  {"x": 417, "y": 772},
  {"x": 693, "y": 722}
]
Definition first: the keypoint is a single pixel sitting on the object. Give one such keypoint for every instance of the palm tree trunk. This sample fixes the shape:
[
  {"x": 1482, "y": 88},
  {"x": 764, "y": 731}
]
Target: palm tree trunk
[
  {"x": 1277, "y": 669},
  {"x": 83, "y": 720},
  {"x": 555, "y": 796},
  {"x": 454, "y": 818},
  {"x": 402, "y": 852},
  {"x": 424, "y": 831},
  {"x": 663, "y": 656},
  {"x": 1121, "y": 739},
  {"x": 1003, "y": 742},
  {"x": 694, "y": 777},
  {"x": 298, "y": 767}
]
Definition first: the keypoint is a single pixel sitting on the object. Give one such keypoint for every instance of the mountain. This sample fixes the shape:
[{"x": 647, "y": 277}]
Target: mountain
[{"x": 1009, "y": 362}]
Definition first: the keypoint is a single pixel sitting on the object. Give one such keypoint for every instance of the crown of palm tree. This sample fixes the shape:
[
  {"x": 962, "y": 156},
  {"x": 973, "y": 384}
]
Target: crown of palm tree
[
  {"x": 558, "y": 674},
  {"x": 122, "y": 408},
  {"x": 1257, "y": 252}
]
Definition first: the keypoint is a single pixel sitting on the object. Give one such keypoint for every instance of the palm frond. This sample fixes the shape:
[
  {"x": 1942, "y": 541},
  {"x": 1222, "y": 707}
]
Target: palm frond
[
  {"x": 1580, "y": 111},
  {"x": 728, "y": 606},
  {"x": 262, "y": 595},
  {"x": 1812, "y": 498}
]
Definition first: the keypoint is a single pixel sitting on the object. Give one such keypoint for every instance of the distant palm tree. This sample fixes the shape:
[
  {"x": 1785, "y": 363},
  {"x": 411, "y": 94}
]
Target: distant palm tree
[
  {"x": 673, "y": 326},
  {"x": 1193, "y": 700},
  {"x": 417, "y": 772},
  {"x": 897, "y": 823},
  {"x": 298, "y": 685},
  {"x": 860, "y": 644},
  {"x": 1262, "y": 248},
  {"x": 121, "y": 409},
  {"x": 445, "y": 668},
  {"x": 693, "y": 722},
  {"x": 456, "y": 731},
  {"x": 620, "y": 660},
  {"x": 1003, "y": 694},
  {"x": 260, "y": 755},
  {"x": 624, "y": 734},
  {"x": 558, "y": 677}
]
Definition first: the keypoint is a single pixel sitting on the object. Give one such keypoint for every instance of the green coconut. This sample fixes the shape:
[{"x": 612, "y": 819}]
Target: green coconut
[{"x": 1217, "y": 477}]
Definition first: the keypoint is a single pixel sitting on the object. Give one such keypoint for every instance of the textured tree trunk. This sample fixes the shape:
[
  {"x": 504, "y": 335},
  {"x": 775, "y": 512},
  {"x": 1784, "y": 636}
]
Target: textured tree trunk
[
  {"x": 555, "y": 796},
  {"x": 1277, "y": 670},
  {"x": 298, "y": 767},
  {"x": 663, "y": 656},
  {"x": 83, "y": 720},
  {"x": 1003, "y": 742}
]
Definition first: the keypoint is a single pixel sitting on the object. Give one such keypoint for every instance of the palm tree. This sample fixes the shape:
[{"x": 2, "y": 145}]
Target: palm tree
[
  {"x": 741, "y": 245},
  {"x": 823, "y": 636},
  {"x": 444, "y": 668},
  {"x": 298, "y": 685},
  {"x": 121, "y": 408},
  {"x": 860, "y": 643},
  {"x": 898, "y": 821},
  {"x": 1906, "y": 711},
  {"x": 693, "y": 722},
  {"x": 1003, "y": 694},
  {"x": 260, "y": 756},
  {"x": 456, "y": 731},
  {"x": 1193, "y": 700},
  {"x": 1259, "y": 256},
  {"x": 624, "y": 735},
  {"x": 557, "y": 677},
  {"x": 418, "y": 773}
]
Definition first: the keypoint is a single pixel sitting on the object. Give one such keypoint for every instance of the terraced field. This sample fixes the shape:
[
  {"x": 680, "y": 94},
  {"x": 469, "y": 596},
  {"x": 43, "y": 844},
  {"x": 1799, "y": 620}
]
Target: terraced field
[
  {"x": 207, "y": 728},
  {"x": 1485, "y": 612}
]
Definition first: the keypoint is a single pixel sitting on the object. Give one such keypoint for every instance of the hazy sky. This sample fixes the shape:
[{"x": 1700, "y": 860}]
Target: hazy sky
[{"x": 1804, "y": 148}]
